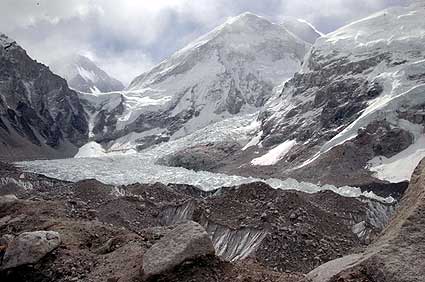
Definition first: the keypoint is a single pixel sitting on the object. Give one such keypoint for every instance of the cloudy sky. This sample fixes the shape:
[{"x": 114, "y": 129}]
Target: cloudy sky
[{"x": 127, "y": 37}]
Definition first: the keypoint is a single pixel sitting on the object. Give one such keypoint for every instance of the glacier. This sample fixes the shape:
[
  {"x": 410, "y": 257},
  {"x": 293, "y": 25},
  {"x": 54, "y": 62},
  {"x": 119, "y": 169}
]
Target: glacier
[{"x": 127, "y": 167}]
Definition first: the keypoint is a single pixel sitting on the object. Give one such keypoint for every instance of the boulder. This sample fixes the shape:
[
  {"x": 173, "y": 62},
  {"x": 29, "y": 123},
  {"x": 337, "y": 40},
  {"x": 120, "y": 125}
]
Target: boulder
[
  {"x": 397, "y": 255},
  {"x": 187, "y": 241},
  {"x": 8, "y": 199},
  {"x": 29, "y": 248},
  {"x": 6, "y": 203}
]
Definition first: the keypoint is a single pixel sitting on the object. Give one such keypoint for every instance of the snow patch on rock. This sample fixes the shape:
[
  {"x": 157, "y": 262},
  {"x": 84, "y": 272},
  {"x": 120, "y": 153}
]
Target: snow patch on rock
[
  {"x": 401, "y": 166},
  {"x": 275, "y": 154}
]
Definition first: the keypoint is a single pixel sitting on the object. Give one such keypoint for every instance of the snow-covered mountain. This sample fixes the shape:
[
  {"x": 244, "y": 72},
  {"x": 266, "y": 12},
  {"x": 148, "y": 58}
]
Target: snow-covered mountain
[
  {"x": 231, "y": 70},
  {"x": 357, "y": 107},
  {"x": 84, "y": 75},
  {"x": 301, "y": 28},
  {"x": 40, "y": 117}
]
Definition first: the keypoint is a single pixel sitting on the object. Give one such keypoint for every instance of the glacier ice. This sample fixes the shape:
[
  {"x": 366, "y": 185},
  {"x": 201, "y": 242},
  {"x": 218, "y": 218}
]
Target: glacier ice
[{"x": 122, "y": 169}]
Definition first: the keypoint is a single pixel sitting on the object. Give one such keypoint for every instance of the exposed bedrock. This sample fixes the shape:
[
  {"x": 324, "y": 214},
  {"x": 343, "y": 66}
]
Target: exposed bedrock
[{"x": 40, "y": 117}]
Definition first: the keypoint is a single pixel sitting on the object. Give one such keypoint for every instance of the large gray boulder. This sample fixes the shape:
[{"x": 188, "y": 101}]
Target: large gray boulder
[
  {"x": 187, "y": 241},
  {"x": 29, "y": 248},
  {"x": 8, "y": 200}
]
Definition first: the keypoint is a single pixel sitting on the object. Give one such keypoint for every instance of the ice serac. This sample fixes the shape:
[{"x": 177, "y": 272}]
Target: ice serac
[
  {"x": 359, "y": 99},
  {"x": 84, "y": 75},
  {"x": 40, "y": 117},
  {"x": 231, "y": 70}
]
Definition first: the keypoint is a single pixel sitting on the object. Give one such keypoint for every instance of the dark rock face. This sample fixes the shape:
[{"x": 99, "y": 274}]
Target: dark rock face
[
  {"x": 397, "y": 255},
  {"x": 40, "y": 116},
  {"x": 333, "y": 103}
]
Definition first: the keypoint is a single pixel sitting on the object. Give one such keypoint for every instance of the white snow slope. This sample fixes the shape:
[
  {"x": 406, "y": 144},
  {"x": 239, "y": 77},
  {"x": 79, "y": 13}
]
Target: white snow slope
[
  {"x": 302, "y": 28},
  {"x": 275, "y": 155}
]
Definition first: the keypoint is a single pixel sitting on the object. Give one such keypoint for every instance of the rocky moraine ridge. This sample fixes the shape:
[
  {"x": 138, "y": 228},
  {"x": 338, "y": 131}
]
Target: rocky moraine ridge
[
  {"x": 89, "y": 231},
  {"x": 52, "y": 230}
]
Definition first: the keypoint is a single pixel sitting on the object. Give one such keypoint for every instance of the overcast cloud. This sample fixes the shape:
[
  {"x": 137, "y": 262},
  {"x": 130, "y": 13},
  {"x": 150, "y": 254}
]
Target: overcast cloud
[{"x": 127, "y": 37}]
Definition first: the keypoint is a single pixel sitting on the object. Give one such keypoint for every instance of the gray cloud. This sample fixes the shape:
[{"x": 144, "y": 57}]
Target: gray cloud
[{"x": 127, "y": 37}]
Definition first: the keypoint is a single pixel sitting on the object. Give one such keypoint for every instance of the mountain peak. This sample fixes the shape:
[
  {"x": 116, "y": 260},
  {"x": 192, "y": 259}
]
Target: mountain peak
[
  {"x": 245, "y": 22},
  {"x": 230, "y": 70},
  {"x": 246, "y": 17},
  {"x": 241, "y": 32},
  {"x": 84, "y": 75},
  {"x": 77, "y": 59},
  {"x": 82, "y": 59}
]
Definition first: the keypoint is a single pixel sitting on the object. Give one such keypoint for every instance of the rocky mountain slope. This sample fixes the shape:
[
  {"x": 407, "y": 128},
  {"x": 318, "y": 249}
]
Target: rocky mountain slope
[
  {"x": 84, "y": 75},
  {"x": 354, "y": 113},
  {"x": 397, "y": 255},
  {"x": 231, "y": 70},
  {"x": 360, "y": 92},
  {"x": 40, "y": 117}
]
